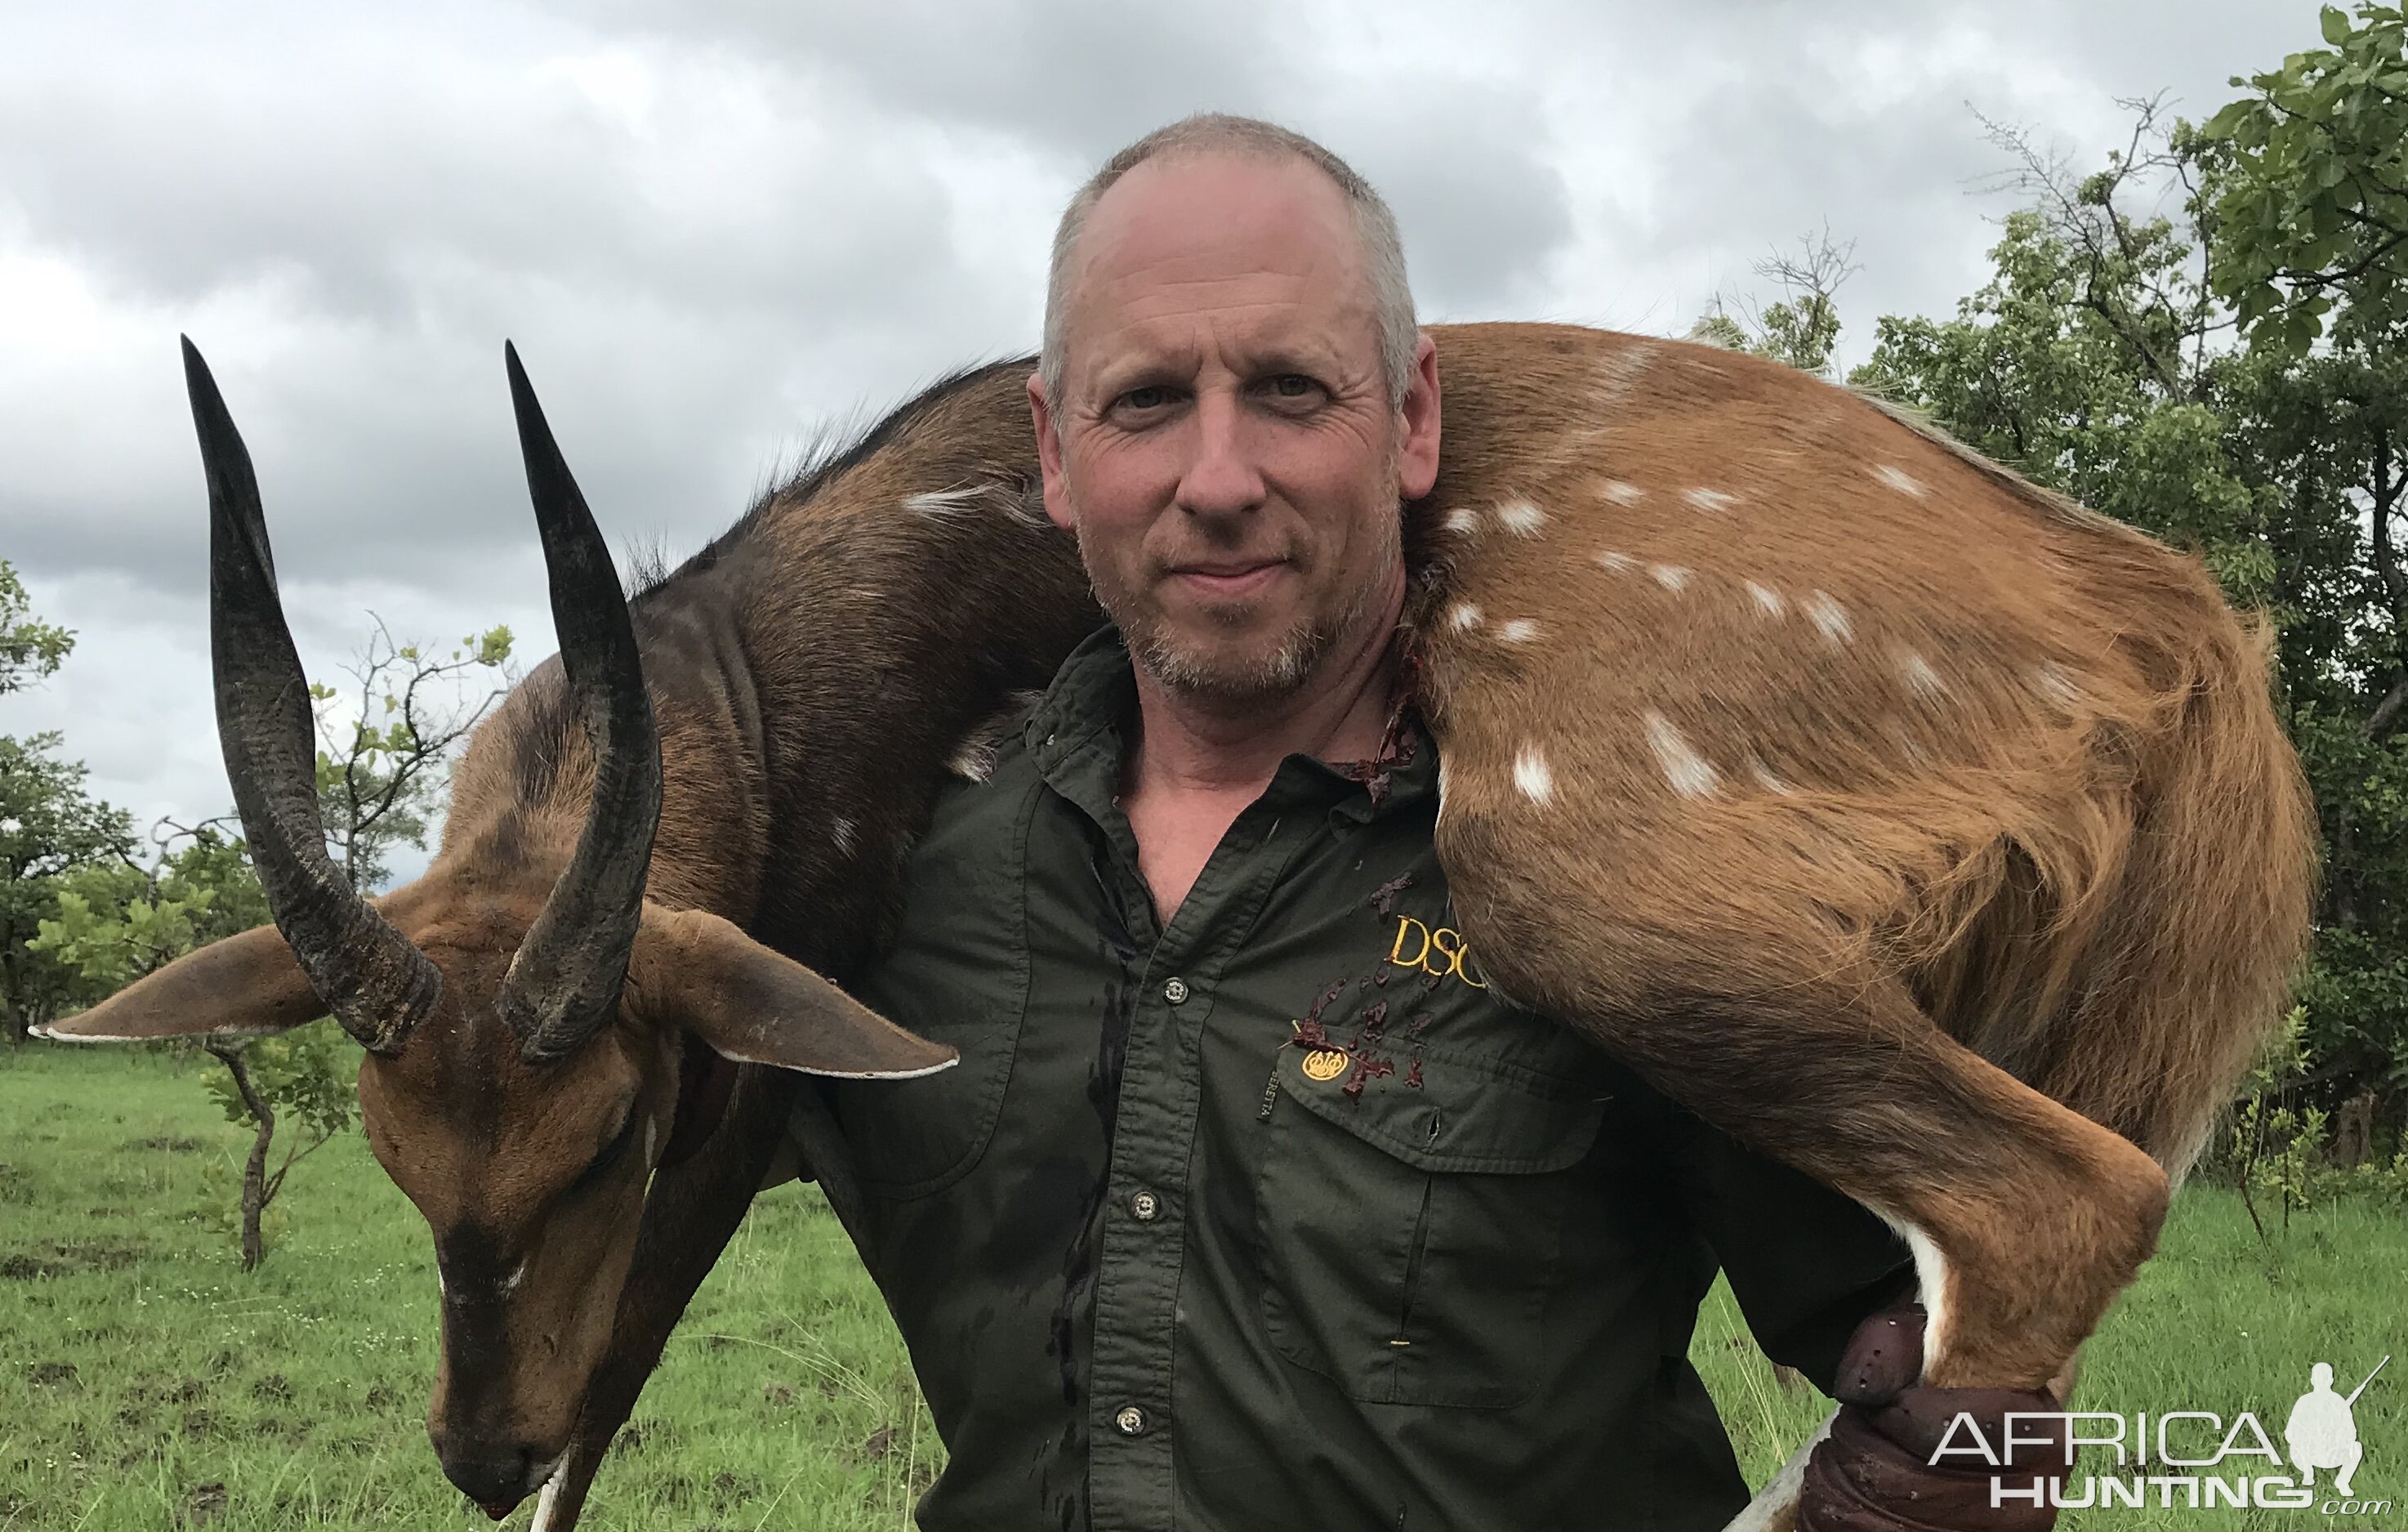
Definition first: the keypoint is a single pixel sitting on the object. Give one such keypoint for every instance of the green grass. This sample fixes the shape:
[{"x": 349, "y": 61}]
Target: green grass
[{"x": 145, "y": 1382}]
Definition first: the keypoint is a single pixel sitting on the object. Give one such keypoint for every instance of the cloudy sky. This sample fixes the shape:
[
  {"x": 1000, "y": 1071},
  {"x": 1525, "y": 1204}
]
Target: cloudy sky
[{"x": 717, "y": 227}]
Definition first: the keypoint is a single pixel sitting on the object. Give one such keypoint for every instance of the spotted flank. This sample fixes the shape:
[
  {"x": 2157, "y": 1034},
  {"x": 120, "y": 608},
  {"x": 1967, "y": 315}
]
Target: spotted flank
[
  {"x": 1521, "y": 517},
  {"x": 1768, "y": 601},
  {"x": 1464, "y": 619},
  {"x": 1462, "y": 519},
  {"x": 1673, "y": 577},
  {"x": 1617, "y": 563},
  {"x": 1829, "y": 617},
  {"x": 1689, "y": 773},
  {"x": 1710, "y": 499},
  {"x": 1531, "y": 775},
  {"x": 1767, "y": 779},
  {"x": 1621, "y": 492},
  {"x": 1517, "y": 631}
]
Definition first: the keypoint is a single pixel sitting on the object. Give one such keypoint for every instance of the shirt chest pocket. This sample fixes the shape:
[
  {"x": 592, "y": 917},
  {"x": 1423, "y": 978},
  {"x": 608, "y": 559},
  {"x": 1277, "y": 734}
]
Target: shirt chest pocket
[{"x": 1411, "y": 1230}]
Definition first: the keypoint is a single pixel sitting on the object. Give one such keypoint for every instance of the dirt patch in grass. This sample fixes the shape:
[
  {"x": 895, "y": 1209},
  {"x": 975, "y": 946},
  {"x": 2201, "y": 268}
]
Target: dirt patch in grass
[
  {"x": 71, "y": 1257},
  {"x": 51, "y": 1373},
  {"x": 168, "y": 1143}
]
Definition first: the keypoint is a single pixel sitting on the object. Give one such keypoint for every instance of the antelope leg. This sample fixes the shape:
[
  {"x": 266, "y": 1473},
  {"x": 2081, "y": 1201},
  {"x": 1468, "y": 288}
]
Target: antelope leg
[{"x": 692, "y": 1213}]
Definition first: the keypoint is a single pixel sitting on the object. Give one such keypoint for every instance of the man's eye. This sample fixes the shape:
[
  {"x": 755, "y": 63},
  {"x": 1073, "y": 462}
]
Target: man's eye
[
  {"x": 1151, "y": 397},
  {"x": 1293, "y": 386}
]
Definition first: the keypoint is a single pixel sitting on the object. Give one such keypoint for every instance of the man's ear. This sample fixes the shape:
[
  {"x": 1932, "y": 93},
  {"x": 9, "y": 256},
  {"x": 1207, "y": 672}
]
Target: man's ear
[
  {"x": 1049, "y": 455},
  {"x": 754, "y": 1005},
  {"x": 248, "y": 985}
]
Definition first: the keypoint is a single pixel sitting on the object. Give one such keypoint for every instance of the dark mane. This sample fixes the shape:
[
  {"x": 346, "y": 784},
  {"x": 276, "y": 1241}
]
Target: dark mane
[{"x": 824, "y": 461}]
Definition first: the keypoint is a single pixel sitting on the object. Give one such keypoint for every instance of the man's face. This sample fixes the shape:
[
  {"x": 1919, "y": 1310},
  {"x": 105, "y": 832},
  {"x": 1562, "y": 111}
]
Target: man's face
[{"x": 1228, "y": 453}]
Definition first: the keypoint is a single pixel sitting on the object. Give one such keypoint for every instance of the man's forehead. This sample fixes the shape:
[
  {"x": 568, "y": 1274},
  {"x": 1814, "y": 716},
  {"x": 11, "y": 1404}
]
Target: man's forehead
[{"x": 1247, "y": 239}]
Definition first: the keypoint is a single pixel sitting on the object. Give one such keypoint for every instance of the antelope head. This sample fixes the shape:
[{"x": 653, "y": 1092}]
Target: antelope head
[{"x": 524, "y": 1009}]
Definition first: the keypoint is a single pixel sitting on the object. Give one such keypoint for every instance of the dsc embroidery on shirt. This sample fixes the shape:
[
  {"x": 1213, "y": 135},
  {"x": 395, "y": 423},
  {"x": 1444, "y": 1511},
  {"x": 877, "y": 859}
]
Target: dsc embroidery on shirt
[{"x": 1437, "y": 950}]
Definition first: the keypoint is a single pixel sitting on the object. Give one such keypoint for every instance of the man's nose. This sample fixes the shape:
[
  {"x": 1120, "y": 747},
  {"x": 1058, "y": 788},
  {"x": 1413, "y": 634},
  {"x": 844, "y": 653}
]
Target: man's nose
[{"x": 1223, "y": 478}]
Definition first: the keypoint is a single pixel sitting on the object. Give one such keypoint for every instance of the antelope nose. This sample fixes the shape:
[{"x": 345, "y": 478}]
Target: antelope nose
[{"x": 497, "y": 1478}]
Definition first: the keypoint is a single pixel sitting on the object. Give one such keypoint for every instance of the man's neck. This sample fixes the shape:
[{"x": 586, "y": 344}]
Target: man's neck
[
  {"x": 1197, "y": 766},
  {"x": 1189, "y": 747}
]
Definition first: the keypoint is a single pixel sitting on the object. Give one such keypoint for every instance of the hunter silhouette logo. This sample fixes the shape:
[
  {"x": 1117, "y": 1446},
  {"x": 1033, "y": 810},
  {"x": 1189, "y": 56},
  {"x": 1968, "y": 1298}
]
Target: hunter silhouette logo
[
  {"x": 2174, "y": 1459},
  {"x": 2322, "y": 1433}
]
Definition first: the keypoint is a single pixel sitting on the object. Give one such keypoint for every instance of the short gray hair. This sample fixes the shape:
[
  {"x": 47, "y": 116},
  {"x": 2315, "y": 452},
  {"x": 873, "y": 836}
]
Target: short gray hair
[{"x": 1213, "y": 131}]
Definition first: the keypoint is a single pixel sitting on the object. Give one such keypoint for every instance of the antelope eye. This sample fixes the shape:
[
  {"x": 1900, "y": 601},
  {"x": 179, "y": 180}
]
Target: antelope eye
[{"x": 612, "y": 1152}]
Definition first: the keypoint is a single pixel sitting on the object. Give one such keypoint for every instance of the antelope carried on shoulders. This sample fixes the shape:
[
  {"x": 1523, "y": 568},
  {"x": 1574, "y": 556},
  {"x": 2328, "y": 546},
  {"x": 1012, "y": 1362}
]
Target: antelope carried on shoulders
[{"x": 1908, "y": 823}]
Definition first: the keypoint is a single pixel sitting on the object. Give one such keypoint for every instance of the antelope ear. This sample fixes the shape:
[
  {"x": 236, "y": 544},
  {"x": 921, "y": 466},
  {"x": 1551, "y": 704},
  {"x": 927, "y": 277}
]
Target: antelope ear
[
  {"x": 248, "y": 985},
  {"x": 754, "y": 1005}
]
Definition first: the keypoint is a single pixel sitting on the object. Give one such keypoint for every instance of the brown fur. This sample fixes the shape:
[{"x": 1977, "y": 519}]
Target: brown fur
[{"x": 2029, "y": 886}]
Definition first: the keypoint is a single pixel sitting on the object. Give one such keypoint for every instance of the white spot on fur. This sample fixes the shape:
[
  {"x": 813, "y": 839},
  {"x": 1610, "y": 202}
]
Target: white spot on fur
[
  {"x": 1829, "y": 617},
  {"x": 1621, "y": 492},
  {"x": 840, "y": 833},
  {"x": 1768, "y": 601},
  {"x": 1531, "y": 775},
  {"x": 1690, "y": 775},
  {"x": 1710, "y": 499},
  {"x": 1517, "y": 631},
  {"x": 1899, "y": 480},
  {"x": 651, "y": 1142},
  {"x": 1463, "y": 519},
  {"x": 509, "y": 1284},
  {"x": 1921, "y": 679},
  {"x": 2059, "y": 688},
  {"x": 1931, "y": 1277},
  {"x": 1617, "y": 563},
  {"x": 1768, "y": 780},
  {"x": 1465, "y": 617},
  {"x": 975, "y": 759},
  {"x": 947, "y": 504},
  {"x": 1522, "y": 517},
  {"x": 1670, "y": 576}
]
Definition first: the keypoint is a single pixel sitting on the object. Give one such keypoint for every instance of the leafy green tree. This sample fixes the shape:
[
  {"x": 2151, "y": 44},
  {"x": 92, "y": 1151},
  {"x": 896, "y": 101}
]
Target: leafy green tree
[
  {"x": 2312, "y": 205},
  {"x": 1802, "y": 325},
  {"x": 52, "y": 831},
  {"x": 30, "y": 648}
]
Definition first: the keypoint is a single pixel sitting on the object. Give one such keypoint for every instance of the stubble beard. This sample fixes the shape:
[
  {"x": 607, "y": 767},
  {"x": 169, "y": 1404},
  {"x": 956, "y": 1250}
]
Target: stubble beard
[{"x": 1214, "y": 675}]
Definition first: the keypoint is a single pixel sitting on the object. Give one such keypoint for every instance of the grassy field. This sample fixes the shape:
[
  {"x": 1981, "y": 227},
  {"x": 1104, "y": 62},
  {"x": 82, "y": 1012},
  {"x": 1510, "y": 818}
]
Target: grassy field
[{"x": 145, "y": 1382}]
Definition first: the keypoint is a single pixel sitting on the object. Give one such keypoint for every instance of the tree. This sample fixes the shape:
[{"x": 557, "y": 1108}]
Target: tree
[
  {"x": 52, "y": 832},
  {"x": 2312, "y": 205},
  {"x": 30, "y": 648},
  {"x": 381, "y": 764},
  {"x": 1802, "y": 325}
]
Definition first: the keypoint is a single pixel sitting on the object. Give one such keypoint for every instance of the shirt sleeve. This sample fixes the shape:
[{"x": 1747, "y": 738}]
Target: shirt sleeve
[{"x": 1806, "y": 1263}]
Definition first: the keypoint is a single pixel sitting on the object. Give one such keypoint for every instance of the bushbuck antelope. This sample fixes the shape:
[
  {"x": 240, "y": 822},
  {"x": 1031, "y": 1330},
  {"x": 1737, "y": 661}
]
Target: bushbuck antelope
[{"x": 1913, "y": 825}]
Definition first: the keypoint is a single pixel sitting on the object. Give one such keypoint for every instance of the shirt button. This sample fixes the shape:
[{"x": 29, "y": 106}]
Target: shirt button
[
  {"x": 1175, "y": 990},
  {"x": 1146, "y": 1206},
  {"x": 1130, "y": 1422}
]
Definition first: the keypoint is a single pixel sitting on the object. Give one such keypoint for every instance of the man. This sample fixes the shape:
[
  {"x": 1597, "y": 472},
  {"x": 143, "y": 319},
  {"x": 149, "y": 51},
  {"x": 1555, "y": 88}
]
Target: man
[{"x": 1168, "y": 1248}]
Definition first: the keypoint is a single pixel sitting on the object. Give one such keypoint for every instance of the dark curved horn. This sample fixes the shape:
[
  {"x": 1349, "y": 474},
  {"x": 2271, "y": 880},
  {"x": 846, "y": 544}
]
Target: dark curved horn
[
  {"x": 564, "y": 983},
  {"x": 375, "y": 983}
]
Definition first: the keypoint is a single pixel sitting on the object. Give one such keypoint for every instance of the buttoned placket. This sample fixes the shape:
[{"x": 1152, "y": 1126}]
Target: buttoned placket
[{"x": 1132, "y": 1410}]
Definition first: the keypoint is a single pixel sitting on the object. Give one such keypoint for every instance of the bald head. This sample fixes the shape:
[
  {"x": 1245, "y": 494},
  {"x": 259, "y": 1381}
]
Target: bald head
[{"x": 1373, "y": 229}]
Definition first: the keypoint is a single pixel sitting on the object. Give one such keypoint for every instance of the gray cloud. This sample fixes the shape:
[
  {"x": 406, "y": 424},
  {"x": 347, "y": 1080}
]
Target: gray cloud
[{"x": 715, "y": 229}]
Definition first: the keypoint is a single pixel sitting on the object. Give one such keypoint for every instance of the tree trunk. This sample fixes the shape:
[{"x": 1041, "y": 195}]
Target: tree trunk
[{"x": 254, "y": 1170}]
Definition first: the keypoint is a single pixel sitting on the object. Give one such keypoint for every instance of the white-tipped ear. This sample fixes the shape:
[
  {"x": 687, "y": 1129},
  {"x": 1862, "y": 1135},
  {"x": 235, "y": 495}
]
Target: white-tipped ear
[
  {"x": 696, "y": 971},
  {"x": 246, "y": 985}
]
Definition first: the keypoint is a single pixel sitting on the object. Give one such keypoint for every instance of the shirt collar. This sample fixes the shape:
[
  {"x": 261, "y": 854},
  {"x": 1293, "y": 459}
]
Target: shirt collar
[{"x": 1078, "y": 732}]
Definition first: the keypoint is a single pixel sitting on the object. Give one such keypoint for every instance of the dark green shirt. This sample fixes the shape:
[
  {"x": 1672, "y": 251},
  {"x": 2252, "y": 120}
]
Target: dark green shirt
[{"x": 1278, "y": 1218}]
